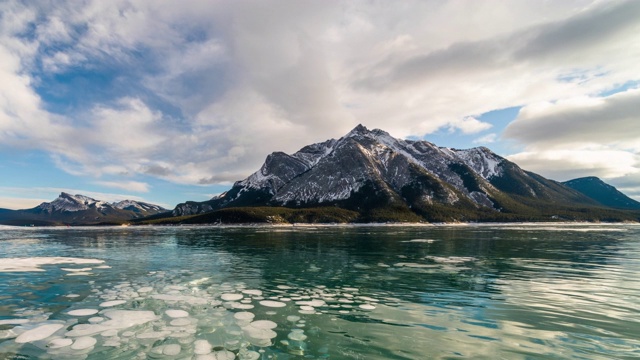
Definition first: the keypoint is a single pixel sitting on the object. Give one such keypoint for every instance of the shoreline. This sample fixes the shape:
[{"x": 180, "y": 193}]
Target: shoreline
[{"x": 336, "y": 225}]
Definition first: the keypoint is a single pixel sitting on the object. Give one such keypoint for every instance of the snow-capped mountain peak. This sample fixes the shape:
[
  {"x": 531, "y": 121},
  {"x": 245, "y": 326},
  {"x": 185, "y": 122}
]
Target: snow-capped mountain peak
[
  {"x": 66, "y": 202},
  {"x": 136, "y": 206}
]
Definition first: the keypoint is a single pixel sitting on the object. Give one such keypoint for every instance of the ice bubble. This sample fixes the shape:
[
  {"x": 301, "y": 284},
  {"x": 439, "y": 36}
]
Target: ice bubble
[
  {"x": 180, "y": 322},
  {"x": 83, "y": 342},
  {"x": 176, "y": 313},
  {"x": 307, "y": 312},
  {"x": 72, "y": 295},
  {"x": 76, "y": 270},
  {"x": 96, "y": 319},
  {"x": 59, "y": 342},
  {"x": 293, "y": 318},
  {"x": 367, "y": 307},
  {"x": 231, "y": 297},
  {"x": 314, "y": 303},
  {"x": 83, "y": 312},
  {"x": 145, "y": 289},
  {"x": 252, "y": 292},
  {"x": 192, "y": 300},
  {"x": 14, "y": 321},
  {"x": 242, "y": 306},
  {"x": 202, "y": 347},
  {"x": 255, "y": 334},
  {"x": 38, "y": 333},
  {"x": 428, "y": 241},
  {"x": 244, "y": 315},
  {"x": 34, "y": 263},
  {"x": 79, "y": 273},
  {"x": 271, "y": 303},
  {"x": 171, "y": 350},
  {"x": 153, "y": 334},
  {"x": 307, "y": 308},
  {"x": 113, "y": 303},
  {"x": 264, "y": 324},
  {"x": 109, "y": 333},
  {"x": 297, "y": 335},
  {"x": 118, "y": 319}
]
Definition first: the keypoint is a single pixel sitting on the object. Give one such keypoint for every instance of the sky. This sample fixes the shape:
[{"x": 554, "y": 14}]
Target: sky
[{"x": 167, "y": 101}]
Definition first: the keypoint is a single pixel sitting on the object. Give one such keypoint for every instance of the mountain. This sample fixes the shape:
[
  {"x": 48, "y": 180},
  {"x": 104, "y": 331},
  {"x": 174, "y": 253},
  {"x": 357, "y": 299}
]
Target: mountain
[
  {"x": 602, "y": 192},
  {"x": 387, "y": 179},
  {"x": 79, "y": 210}
]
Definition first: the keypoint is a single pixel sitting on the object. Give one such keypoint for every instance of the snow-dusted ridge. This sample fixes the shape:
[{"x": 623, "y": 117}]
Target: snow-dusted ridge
[
  {"x": 380, "y": 148},
  {"x": 336, "y": 169},
  {"x": 73, "y": 203}
]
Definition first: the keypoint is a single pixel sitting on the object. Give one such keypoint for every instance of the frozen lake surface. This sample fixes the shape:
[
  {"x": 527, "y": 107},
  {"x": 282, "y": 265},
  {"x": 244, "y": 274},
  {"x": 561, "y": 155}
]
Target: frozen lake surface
[{"x": 552, "y": 291}]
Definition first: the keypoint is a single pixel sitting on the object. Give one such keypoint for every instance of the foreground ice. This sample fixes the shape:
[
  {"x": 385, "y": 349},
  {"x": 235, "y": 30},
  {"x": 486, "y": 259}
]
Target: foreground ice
[
  {"x": 168, "y": 316},
  {"x": 35, "y": 263}
]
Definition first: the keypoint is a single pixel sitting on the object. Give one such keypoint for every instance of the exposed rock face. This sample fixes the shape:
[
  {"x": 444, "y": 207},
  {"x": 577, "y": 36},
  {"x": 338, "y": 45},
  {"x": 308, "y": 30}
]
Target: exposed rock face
[{"x": 371, "y": 168}]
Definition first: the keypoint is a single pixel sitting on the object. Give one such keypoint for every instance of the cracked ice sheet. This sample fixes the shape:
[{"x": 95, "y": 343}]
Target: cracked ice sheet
[{"x": 34, "y": 263}]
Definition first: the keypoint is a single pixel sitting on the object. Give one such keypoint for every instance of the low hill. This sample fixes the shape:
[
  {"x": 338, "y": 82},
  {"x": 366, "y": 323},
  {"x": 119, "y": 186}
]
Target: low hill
[{"x": 603, "y": 193}]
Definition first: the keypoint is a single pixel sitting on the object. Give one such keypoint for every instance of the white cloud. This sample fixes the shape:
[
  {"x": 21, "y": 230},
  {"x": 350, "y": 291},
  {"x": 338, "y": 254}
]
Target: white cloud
[
  {"x": 564, "y": 165},
  {"x": 135, "y": 186},
  {"x": 487, "y": 139},
  {"x": 470, "y": 125}
]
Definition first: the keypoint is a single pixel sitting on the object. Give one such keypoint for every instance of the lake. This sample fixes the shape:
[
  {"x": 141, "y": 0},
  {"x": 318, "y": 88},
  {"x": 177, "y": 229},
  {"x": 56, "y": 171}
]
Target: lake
[{"x": 552, "y": 291}]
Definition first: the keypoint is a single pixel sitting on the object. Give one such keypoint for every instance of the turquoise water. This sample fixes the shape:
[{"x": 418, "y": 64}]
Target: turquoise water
[{"x": 432, "y": 292}]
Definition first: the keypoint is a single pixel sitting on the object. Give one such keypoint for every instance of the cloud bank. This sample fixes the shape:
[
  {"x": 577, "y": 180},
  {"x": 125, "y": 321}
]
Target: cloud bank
[{"x": 200, "y": 93}]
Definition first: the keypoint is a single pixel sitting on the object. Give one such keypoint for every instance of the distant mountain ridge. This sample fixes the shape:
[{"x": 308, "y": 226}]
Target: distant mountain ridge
[
  {"x": 602, "y": 192},
  {"x": 384, "y": 178},
  {"x": 79, "y": 210}
]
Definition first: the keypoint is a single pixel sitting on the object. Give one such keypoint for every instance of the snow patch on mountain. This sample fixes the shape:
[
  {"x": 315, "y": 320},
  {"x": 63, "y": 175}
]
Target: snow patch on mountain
[
  {"x": 136, "y": 206},
  {"x": 482, "y": 160},
  {"x": 73, "y": 203}
]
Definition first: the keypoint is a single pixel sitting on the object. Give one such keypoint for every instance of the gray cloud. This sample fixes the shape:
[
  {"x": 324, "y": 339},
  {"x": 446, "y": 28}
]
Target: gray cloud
[
  {"x": 582, "y": 32},
  {"x": 568, "y": 38},
  {"x": 156, "y": 170},
  {"x": 612, "y": 119}
]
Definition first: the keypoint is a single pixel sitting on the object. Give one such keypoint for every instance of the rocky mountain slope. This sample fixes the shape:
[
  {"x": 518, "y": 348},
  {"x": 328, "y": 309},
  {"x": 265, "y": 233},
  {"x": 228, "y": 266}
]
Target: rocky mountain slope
[
  {"x": 602, "y": 192},
  {"x": 79, "y": 210},
  {"x": 384, "y": 178}
]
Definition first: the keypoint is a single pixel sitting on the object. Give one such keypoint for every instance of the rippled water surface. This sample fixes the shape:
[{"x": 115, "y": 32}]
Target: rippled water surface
[{"x": 432, "y": 292}]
